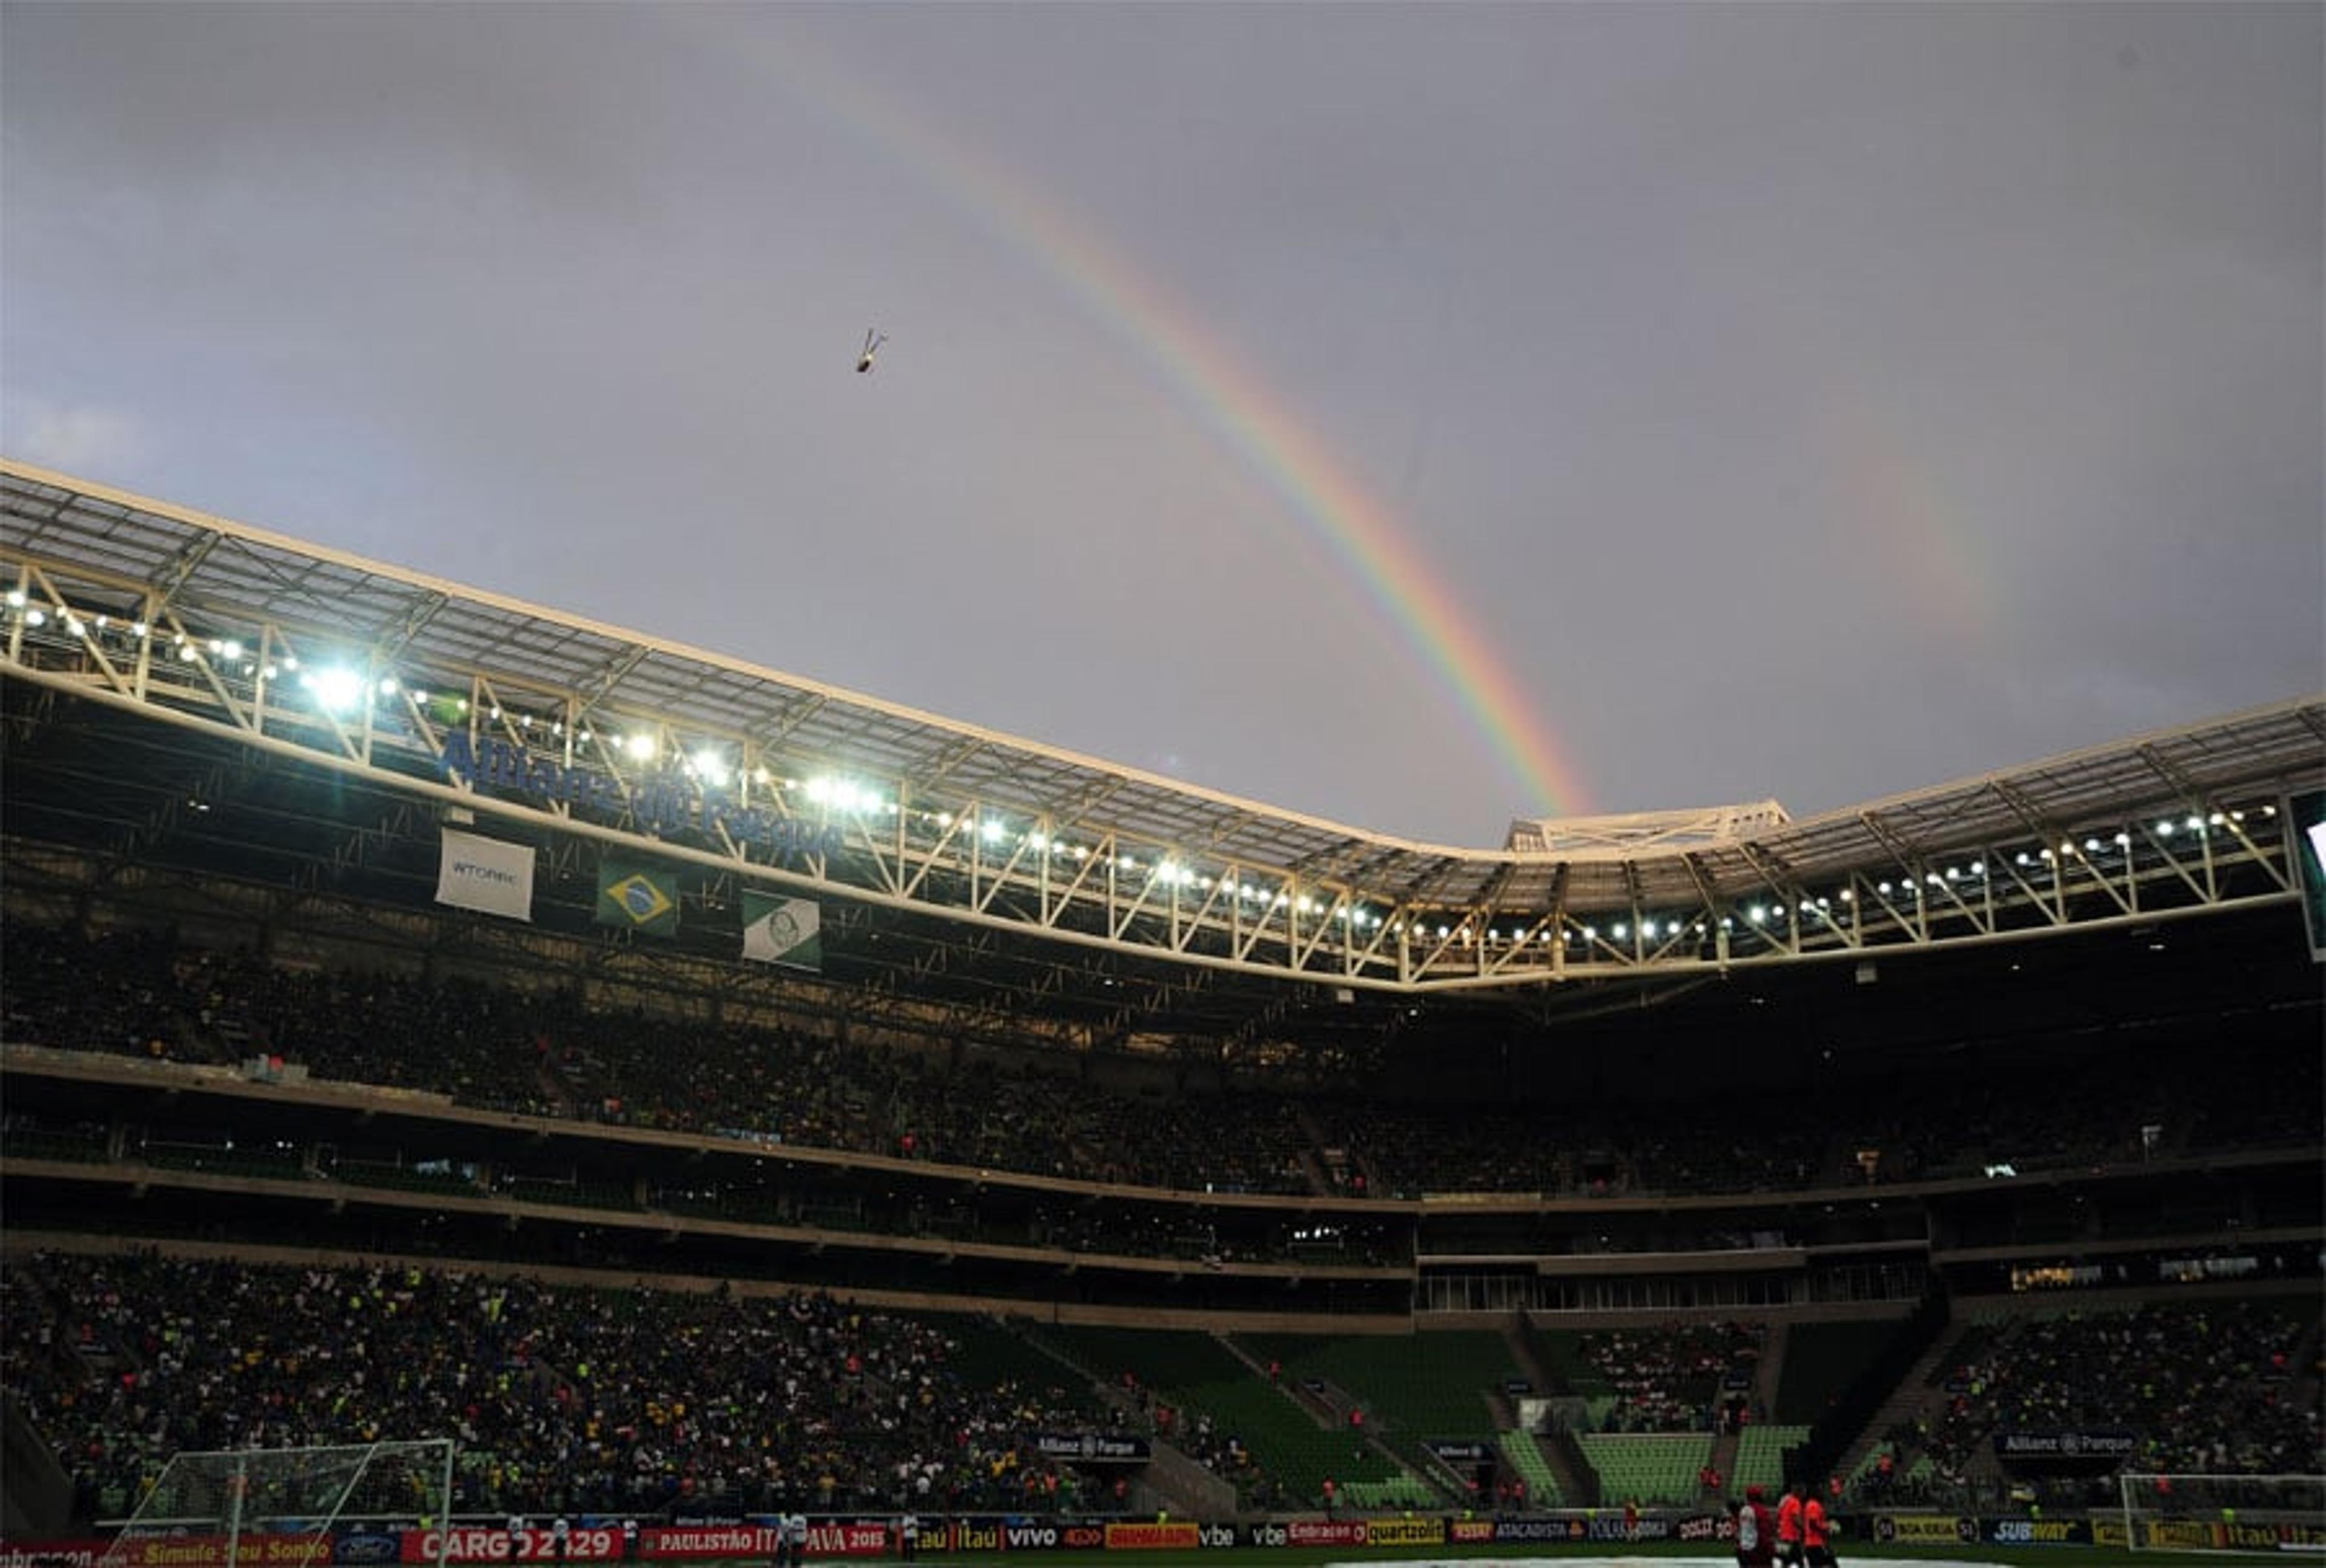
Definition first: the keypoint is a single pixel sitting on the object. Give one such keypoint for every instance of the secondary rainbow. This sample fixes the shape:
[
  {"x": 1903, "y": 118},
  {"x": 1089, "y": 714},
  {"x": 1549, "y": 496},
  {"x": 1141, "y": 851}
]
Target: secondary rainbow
[{"x": 1229, "y": 399}]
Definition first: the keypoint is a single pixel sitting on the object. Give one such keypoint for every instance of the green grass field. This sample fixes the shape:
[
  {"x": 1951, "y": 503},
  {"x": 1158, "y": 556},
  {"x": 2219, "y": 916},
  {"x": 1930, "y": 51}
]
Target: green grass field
[{"x": 1579, "y": 1552}]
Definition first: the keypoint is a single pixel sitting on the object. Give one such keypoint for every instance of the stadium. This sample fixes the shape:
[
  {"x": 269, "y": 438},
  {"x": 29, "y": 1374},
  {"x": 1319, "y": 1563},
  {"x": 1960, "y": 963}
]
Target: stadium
[{"x": 711, "y": 1100}]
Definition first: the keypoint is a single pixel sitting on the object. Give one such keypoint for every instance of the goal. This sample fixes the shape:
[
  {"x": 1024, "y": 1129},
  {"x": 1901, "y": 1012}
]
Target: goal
[
  {"x": 284, "y": 1508},
  {"x": 2223, "y": 1513}
]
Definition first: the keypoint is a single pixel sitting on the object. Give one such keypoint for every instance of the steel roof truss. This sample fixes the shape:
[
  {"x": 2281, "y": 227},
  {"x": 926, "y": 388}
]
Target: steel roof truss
[
  {"x": 1785, "y": 890},
  {"x": 2205, "y": 803}
]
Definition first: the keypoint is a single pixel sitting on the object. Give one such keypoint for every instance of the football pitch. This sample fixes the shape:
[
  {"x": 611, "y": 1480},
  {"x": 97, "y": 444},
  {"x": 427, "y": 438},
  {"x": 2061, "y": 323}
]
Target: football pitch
[{"x": 1582, "y": 1555}]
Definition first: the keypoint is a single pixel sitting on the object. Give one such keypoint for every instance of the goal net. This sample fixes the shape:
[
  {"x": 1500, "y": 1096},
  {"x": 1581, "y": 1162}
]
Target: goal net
[
  {"x": 2223, "y": 1513},
  {"x": 283, "y": 1508}
]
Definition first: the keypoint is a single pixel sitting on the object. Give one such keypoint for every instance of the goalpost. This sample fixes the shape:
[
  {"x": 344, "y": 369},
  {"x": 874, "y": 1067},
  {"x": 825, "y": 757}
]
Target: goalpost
[
  {"x": 2223, "y": 1513},
  {"x": 282, "y": 1507}
]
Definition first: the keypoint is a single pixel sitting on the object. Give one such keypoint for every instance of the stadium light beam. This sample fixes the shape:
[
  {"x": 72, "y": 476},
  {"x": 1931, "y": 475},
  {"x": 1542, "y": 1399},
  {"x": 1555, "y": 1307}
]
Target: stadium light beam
[{"x": 336, "y": 689}]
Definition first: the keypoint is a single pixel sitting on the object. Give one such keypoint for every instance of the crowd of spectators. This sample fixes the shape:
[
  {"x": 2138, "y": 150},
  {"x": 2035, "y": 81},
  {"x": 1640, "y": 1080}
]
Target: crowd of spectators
[
  {"x": 1676, "y": 1376},
  {"x": 545, "y": 1054},
  {"x": 122, "y": 992},
  {"x": 2202, "y": 1387},
  {"x": 561, "y": 1399}
]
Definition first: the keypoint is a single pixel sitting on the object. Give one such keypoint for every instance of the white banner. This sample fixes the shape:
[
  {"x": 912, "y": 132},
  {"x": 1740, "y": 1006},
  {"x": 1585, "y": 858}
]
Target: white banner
[
  {"x": 782, "y": 931},
  {"x": 485, "y": 874}
]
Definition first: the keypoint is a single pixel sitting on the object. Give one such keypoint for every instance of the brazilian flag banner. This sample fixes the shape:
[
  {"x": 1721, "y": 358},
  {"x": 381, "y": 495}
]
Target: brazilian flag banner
[{"x": 637, "y": 895}]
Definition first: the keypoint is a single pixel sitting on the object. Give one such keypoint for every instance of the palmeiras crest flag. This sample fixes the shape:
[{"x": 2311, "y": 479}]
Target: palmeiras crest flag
[
  {"x": 782, "y": 931},
  {"x": 637, "y": 895}
]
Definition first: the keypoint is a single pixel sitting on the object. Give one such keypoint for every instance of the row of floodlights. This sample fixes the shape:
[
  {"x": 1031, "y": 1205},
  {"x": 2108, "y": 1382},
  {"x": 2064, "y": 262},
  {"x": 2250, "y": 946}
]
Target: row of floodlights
[
  {"x": 186, "y": 649},
  {"x": 339, "y": 689}
]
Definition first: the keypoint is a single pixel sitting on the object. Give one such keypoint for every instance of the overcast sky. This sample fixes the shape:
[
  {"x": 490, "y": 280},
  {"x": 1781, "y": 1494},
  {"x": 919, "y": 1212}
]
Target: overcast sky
[{"x": 1415, "y": 415}]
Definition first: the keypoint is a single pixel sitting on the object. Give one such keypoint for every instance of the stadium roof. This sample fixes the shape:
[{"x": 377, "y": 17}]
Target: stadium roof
[{"x": 208, "y": 624}]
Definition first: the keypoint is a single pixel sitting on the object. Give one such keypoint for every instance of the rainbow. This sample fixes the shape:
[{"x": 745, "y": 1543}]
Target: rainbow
[{"x": 1224, "y": 395}]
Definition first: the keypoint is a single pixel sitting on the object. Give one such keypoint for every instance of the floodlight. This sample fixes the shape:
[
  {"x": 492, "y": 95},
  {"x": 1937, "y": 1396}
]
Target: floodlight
[
  {"x": 336, "y": 689},
  {"x": 639, "y": 745}
]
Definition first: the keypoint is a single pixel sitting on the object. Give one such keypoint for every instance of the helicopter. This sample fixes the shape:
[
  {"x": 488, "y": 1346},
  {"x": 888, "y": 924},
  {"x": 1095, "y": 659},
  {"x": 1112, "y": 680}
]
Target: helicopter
[{"x": 873, "y": 339}]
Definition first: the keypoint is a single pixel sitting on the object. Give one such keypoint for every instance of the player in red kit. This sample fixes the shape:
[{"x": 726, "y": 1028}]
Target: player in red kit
[
  {"x": 1817, "y": 1533},
  {"x": 1788, "y": 1529},
  {"x": 1756, "y": 1532}
]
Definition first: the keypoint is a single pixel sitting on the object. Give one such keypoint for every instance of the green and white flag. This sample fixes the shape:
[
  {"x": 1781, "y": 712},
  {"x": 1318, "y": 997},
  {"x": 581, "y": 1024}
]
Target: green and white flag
[
  {"x": 637, "y": 895},
  {"x": 782, "y": 931}
]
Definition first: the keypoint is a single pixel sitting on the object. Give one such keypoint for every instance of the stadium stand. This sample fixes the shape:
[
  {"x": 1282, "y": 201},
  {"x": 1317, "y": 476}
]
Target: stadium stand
[
  {"x": 547, "y": 1055},
  {"x": 561, "y": 1399},
  {"x": 1415, "y": 1386},
  {"x": 1761, "y": 1455},
  {"x": 1652, "y": 1469},
  {"x": 1294, "y": 1449},
  {"x": 1524, "y": 1456},
  {"x": 2220, "y": 1388},
  {"x": 1821, "y": 1360},
  {"x": 293, "y": 1151},
  {"x": 1673, "y": 1378},
  {"x": 1407, "y": 1391}
]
